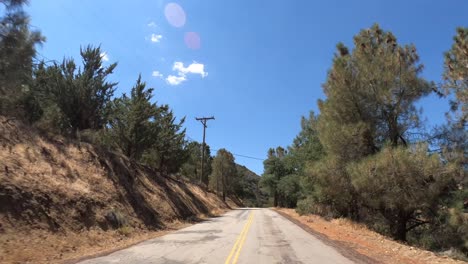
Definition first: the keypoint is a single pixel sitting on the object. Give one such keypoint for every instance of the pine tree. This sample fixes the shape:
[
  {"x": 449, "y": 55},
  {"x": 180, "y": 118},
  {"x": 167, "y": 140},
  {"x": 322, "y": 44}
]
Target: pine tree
[
  {"x": 371, "y": 93},
  {"x": 96, "y": 92},
  {"x": 289, "y": 190},
  {"x": 17, "y": 51},
  {"x": 306, "y": 146},
  {"x": 456, "y": 74},
  {"x": 192, "y": 167},
  {"x": 83, "y": 95},
  {"x": 275, "y": 168},
  {"x": 454, "y": 139},
  {"x": 132, "y": 124},
  {"x": 224, "y": 174},
  {"x": 168, "y": 153},
  {"x": 403, "y": 184}
]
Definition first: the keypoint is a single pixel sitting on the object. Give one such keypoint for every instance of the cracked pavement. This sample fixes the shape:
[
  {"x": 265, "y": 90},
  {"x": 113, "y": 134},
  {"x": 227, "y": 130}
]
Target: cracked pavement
[{"x": 269, "y": 238}]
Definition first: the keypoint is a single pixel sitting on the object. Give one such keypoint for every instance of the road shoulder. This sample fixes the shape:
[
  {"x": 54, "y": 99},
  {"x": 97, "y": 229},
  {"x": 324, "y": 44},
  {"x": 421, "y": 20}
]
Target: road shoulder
[
  {"x": 360, "y": 244},
  {"x": 343, "y": 248}
]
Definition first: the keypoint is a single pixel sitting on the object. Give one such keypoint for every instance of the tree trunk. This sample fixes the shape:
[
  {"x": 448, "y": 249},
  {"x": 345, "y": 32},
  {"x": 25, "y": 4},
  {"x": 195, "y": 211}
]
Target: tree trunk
[
  {"x": 275, "y": 199},
  {"x": 394, "y": 131},
  {"x": 217, "y": 185},
  {"x": 354, "y": 208},
  {"x": 205, "y": 179},
  {"x": 224, "y": 187},
  {"x": 399, "y": 229}
]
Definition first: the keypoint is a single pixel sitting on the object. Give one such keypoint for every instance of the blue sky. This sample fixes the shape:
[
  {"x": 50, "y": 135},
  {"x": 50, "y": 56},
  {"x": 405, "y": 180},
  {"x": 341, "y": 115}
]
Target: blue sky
[{"x": 260, "y": 64}]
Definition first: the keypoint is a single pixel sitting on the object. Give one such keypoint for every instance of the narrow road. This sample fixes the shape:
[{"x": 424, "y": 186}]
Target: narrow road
[{"x": 241, "y": 236}]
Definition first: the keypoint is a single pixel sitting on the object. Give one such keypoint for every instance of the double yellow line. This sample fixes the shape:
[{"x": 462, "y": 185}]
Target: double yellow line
[{"x": 235, "y": 251}]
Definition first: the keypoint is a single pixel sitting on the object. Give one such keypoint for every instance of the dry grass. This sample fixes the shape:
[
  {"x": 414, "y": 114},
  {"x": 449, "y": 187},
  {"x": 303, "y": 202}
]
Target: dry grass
[
  {"x": 56, "y": 195},
  {"x": 41, "y": 246},
  {"x": 367, "y": 242}
]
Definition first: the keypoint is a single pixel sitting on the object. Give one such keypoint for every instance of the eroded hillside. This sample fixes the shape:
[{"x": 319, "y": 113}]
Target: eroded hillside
[{"x": 52, "y": 188}]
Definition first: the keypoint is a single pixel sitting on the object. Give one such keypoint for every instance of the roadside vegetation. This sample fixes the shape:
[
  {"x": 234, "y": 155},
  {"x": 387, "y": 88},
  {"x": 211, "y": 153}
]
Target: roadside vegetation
[
  {"x": 368, "y": 156},
  {"x": 84, "y": 170},
  {"x": 78, "y": 101}
]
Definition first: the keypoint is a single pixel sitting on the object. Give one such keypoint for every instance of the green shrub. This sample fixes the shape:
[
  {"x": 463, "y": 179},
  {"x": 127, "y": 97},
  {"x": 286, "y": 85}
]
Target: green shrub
[
  {"x": 305, "y": 206},
  {"x": 125, "y": 230},
  {"x": 53, "y": 120}
]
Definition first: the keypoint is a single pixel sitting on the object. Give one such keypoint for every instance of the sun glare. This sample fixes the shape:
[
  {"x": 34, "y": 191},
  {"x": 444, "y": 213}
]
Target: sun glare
[{"x": 175, "y": 15}]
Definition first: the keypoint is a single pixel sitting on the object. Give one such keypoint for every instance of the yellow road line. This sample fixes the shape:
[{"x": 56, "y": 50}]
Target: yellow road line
[
  {"x": 242, "y": 241},
  {"x": 239, "y": 239}
]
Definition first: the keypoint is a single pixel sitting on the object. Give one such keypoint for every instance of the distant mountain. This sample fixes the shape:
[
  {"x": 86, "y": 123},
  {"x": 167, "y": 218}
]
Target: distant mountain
[{"x": 250, "y": 193}]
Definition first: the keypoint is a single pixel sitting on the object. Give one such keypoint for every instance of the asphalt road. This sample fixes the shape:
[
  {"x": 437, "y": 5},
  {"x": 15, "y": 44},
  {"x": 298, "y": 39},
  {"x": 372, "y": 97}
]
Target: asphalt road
[{"x": 240, "y": 236}]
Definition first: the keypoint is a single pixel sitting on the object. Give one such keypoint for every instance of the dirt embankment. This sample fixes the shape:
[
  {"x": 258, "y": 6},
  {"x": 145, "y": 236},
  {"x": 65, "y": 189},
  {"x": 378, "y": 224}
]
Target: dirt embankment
[
  {"x": 349, "y": 236},
  {"x": 61, "y": 199}
]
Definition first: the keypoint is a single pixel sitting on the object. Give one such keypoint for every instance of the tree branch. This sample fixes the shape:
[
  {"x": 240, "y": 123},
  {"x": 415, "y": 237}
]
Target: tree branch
[{"x": 417, "y": 224}]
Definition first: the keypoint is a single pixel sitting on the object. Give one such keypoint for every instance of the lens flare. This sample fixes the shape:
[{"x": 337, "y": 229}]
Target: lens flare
[
  {"x": 192, "y": 40},
  {"x": 175, "y": 15}
]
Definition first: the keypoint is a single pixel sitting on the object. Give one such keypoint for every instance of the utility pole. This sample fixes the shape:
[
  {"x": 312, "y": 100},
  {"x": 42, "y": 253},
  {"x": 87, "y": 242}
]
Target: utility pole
[{"x": 203, "y": 120}]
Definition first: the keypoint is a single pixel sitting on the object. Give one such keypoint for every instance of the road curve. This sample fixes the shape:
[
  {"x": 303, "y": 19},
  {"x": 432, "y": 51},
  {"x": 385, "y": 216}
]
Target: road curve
[{"x": 247, "y": 235}]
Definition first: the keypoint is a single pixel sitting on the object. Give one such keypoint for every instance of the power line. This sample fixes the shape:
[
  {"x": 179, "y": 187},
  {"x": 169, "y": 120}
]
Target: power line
[
  {"x": 45, "y": 59},
  {"x": 239, "y": 155},
  {"x": 244, "y": 156}
]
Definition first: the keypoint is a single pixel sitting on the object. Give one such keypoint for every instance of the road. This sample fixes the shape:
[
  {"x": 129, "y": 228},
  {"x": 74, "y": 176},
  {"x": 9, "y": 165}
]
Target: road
[{"x": 240, "y": 236}]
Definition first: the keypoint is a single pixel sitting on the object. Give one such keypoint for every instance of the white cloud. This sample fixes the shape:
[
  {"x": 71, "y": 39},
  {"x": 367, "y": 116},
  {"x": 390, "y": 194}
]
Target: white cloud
[
  {"x": 152, "y": 24},
  {"x": 182, "y": 72},
  {"x": 175, "y": 80},
  {"x": 104, "y": 56},
  {"x": 156, "y": 38},
  {"x": 157, "y": 74},
  {"x": 194, "y": 68}
]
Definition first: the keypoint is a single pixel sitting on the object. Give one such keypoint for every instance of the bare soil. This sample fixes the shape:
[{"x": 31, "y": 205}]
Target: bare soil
[{"x": 348, "y": 236}]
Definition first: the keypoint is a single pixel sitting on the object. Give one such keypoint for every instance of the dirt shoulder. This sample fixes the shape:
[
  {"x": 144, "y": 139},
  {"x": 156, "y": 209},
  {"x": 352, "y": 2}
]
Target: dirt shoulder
[
  {"x": 360, "y": 244},
  {"x": 40, "y": 246}
]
